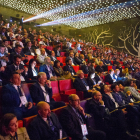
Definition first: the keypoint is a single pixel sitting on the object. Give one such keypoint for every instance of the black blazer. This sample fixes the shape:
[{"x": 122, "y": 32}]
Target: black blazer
[
  {"x": 97, "y": 78},
  {"x": 37, "y": 93},
  {"x": 30, "y": 73},
  {"x": 28, "y": 51},
  {"x": 70, "y": 122},
  {"x": 38, "y": 129},
  {"x": 108, "y": 79},
  {"x": 90, "y": 68},
  {"x": 77, "y": 60},
  {"x": 69, "y": 68},
  {"x": 85, "y": 69},
  {"x": 98, "y": 68},
  {"x": 90, "y": 82}
]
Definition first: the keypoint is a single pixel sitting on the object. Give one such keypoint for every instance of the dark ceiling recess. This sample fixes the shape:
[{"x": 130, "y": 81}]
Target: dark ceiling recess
[{"x": 17, "y": 15}]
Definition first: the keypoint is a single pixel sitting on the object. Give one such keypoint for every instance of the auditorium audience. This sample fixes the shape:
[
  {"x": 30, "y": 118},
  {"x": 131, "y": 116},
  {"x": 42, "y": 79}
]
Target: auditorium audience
[
  {"x": 42, "y": 91},
  {"x": 9, "y": 129},
  {"x": 40, "y": 58}
]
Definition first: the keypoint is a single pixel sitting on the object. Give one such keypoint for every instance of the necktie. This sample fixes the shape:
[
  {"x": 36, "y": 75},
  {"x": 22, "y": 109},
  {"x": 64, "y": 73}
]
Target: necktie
[
  {"x": 84, "y": 82},
  {"x": 80, "y": 117},
  {"x": 19, "y": 91}
]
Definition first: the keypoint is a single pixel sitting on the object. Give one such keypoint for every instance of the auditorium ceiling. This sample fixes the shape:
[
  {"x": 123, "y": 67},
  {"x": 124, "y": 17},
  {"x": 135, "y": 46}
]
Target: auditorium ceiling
[{"x": 76, "y": 13}]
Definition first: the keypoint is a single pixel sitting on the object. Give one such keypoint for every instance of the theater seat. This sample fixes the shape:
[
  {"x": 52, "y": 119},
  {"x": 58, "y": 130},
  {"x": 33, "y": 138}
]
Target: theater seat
[
  {"x": 62, "y": 54},
  {"x": 60, "y": 59},
  {"x": 85, "y": 75},
  {"x": 29, "y": 57},
  {"x": 80, "y": 94},
  {"x": 123, "y": 67},
  {"x": 20, "y": 123},
  {"x": 49, "y": 48},
  {"x": 57, "y": 111},
  {"x": 56, "y": 95},
  {"x": 109, "y": 67},
  {"x": 76, "y": 68},
  {"x": 27, "y": 120}
]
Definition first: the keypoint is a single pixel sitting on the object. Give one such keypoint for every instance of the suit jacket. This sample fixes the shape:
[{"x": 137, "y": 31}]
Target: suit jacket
[
  {"x": 37, "y": 93},
  {"x": 69, "y": 68},
  {"x": 108, "y": 79},
  {"x": 108, "y": 102},
  {"x": 85, "y": 69},
  {"x": 38, "y": 129},
  {"x": 21, "y": 134},
  {"x": 28, "y": 51},
  {"x": 71, "y": 124},
  {"x": 56, "y": 53},
  {"x": 58, "y": 71},
  {"x": 98, "y": 68},
  {"x": 90, "y": 68},
  {"x": 97, "y": 78},
  {"x": 11, "y": 68},
  {"x": 107, "y": 62},
  {"x": 72, "y": 60},
  {"x": 43, "y": 68},
  {"x": 52, "y": 58},
  {"x": 90, "y": 82},
  {"x": 77, "y": 60},
  {"x": 30, "y": 73},
  {"x": 10, "y": 97}
]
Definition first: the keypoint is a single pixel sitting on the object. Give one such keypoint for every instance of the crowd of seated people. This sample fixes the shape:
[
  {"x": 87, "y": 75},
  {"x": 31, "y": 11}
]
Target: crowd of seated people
[{"x": 108, "y": 77}]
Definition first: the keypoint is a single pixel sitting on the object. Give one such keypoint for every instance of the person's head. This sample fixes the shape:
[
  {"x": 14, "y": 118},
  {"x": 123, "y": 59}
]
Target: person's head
[
  {"x": 9, "y": 124},
  {"x": 32, "y": 63},
  {"x": 18, "y": 49},
  {"x": 121, "y": 87},
  {"x": 100, "y": 63},
  {"x": 17, "y": 37},
  {"x": 71, "y": 54},
  {"x": 80, "y": 74},
  {"x": 74, "y": 100},
  {"x": 58, "y": 48},
  {"x": 15, "y": 79},
  {"x": 96, "y": 95},
  {"x": 57, "y": 63},
  {"x": 129, "y": 82},
  {"x": 5, "y": 42},
  {"x": 43, "y": 109},
  {"x": 76, "y": 54},
  {"x": 100, "y": 73},
  {"x": 111, "y": 71},
  {"x": 93, "y": 63},
  {"x": 29, "y": 44},
  {"x": 53, "y": 53},
  {"x": 42, "y": 51},
  {"x": 82, "y": 56},
  {"x": 40, "y": 46},
  {"x": 47, "y": 60},
  {"x": 91, "y": 74},
  {"x": 17, "y": 60},
  {"x": 117, "y": 72},
  {"x": 130, "y": 71},
  {"x": 136, "y": 70},
  {"x": 2, "y": 49},
  {"x": 115, "y": 87},
  {"x": 106, "y": 89},
  {"x": 42, "y": 78},
  {"x": 69, "y": 62}
]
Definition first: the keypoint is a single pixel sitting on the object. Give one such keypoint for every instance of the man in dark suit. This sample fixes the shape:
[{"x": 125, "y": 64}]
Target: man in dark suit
[
  {"x": 80, "y": 84},
  {"x": 41, "y": 91},
  {"x": 46, "y": 125},
  {"x": 69, "y": 67},
  {"x": 48, "y": 69},
  {"x": 18, "y": 67},
  {"x": 85, "y": 67},
  {"x": 71, "y": 57},
  {"x": 18, "y": 51},
  {"x": 99, "y": 77},
  {"x": 99, "y": 67},
  {"x": 57, "y": 51},
  {"x": 73, "y": 117},
  {"x": 3, "y": 32},
  {"x": 110, "y": 77},
  {"x": 15, "y": 101},
  {"x": 29, "y": 50}
]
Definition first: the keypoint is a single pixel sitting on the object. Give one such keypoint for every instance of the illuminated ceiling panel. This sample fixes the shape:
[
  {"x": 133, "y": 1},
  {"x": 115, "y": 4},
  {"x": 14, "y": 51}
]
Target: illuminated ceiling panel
[{"x": 77, "y": 13}]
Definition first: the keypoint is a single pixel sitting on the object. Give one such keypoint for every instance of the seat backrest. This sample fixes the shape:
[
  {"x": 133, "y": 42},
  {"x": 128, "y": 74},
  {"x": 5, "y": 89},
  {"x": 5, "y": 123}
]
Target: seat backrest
[
  {"x": 58, "y": 110},
  {"x": 83, "y": 103},
  {"x": 65, "y": 84},
  {"x": 113, "y": 67},
  {"x": 25, "y": 88},
  {"x": 63, "y": 53},
  {"x": 27, "y": 120},
  {"x": 20, "y": 123},
  {"x": 55, "y": 88},
  {"x": 109, "y": 67},
  {"x": 76, "y": 68},
  {"x": 60, "y": 59}
]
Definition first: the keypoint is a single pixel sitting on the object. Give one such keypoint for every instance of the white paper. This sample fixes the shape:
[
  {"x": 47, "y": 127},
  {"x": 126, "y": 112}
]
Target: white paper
[
  {"x": 60, "y": 134},
  {"x": 84, "y": 129},
  {"x": 87, "y": 87},
  {"x": 23, "y": 100}
]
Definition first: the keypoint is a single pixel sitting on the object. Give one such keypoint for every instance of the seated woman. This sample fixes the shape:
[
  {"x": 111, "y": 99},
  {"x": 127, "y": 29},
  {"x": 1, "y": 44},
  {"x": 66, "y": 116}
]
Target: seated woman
[
  {"x": 77, "y": 59},
  {"x": 32, "y": 70},
  {"x": 91, "y": 81},
  {"x": 9, "y": 129}
]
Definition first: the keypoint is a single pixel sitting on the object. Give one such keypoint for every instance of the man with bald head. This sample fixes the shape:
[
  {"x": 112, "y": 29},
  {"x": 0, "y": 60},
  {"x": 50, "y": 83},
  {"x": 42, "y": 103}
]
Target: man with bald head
[
  {"x": 42, "y": 91},
  {"x": 42, "y": 56},
  {"x": 48, "y": 69},
  {"x": 73, "y": 118},
  {"x": 45, "y": 125}
]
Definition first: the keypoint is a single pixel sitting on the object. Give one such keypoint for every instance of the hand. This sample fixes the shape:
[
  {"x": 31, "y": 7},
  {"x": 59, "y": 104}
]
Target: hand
[
  {"x": 26, "y": 69},
  {"x": 132, "y": 104},
  {"x": 49, "y": 83},
  {"x": 23, "y": 58},
  {"x": 6, "y": 58},
  {"x": 81, "y": 110},
  {"x": 128, "y": 93},
  {"x": 2, "y": 69},
  {"x": 124, "y": 111},
  {"x": 30, "y": 105},
  {"x": 101, "y": 102}
]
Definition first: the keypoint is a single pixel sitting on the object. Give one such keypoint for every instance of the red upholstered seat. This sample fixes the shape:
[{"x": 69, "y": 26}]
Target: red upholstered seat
[
  {"x": 112, "y": 62},
  {"x": 60, "y": 59},
  {"x": 27, "y": 120},
  {"x": 64, "y": 59},
  {"x": 63, "y": 53},
  {"x": 121, "y": 62},
  {"x": 85, "y": 75},
  {"x": 109, "y": 68},
  {"x": 123, "y": 67},
  {"x": 20, "y": 123},
  {"x": 29, "y": 57},
  {"x": 49, "y": 48},
  {"x": 55, "y": 90},
  {"x": 76, "y": 68},
  {"x": 57, "y": 111}
]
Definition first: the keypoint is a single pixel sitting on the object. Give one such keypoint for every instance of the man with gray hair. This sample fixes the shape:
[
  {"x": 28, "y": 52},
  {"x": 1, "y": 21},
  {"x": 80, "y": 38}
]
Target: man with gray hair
[
  {"x": 48, "y": 69},
  {"x": 42, "y": 91},
  {"x": 45, "y": 125}
]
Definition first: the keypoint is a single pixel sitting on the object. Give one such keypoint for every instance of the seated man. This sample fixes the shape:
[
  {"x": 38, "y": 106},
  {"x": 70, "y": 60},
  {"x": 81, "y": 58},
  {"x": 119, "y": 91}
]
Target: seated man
[
  {"x": 3, "y": 56},
  {"x": 71, "y": 57},
  {"x": 99, "y": 77},
  {"x": 45, "y": 126},
  {"x": 85, "y": 66},
  {"x": 48, "y": 69},
  {"x": 99, "y": 67},
  {"x": 15, "y": 101},
  {"x": 72, "y": 119},
  {"x": 41, "y": 91},
  {"x": 109, "y": 78},
  {"x": 42, "y": 56},
  {"x": 80, "y": 84},
  {"x": 17, "y": 41},
  {"x": 29, "y": 50},
  {"x": 117, "y": 77},
  {"x": 18, "y": 67},
  {"x": 69, "y": 67}
]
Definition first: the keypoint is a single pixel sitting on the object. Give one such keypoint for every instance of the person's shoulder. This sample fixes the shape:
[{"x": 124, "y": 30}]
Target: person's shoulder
[
  {"x": 21, "y": 130},
  {"x": 4, "y": 137}
]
